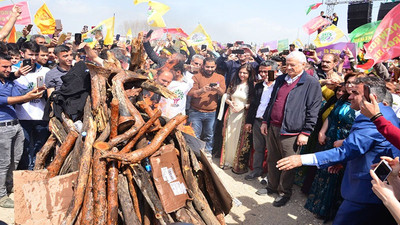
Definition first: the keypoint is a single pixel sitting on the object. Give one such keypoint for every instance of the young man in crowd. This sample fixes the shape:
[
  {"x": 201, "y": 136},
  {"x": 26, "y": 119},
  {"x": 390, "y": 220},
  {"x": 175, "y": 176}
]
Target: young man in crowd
[
  {"x": 207, "y": 88},
  {"x": 11, "y": 133},
  {"x": 43, "y": 56},
  {"x": 53, "y": 77},
  {"x": 30, "y": 114}
]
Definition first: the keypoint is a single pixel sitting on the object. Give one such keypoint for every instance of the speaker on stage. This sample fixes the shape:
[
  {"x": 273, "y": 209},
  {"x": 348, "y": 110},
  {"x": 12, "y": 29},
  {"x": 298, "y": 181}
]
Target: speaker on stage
[
  {"x": 385, "y": 8},
  {"x": 358, "y": 14}
]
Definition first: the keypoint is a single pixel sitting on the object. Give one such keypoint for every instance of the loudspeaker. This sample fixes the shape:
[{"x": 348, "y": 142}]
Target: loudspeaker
[
  {"x": 358, "y": 14},
  {"x": 385, "y": 8}
]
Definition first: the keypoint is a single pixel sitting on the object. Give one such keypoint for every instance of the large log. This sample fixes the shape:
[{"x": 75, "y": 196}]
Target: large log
[
  {"x": 147, "y": 109},
  {"x": 145, "y": 184},
  {"x": 137, "y": 53},
  {"x": 88, "y": 204},
  {"x": 99, "y": 188},
  {"x": 133, "y": 192},
  {"x": 44, "y": 152},
  {"x": 199, "y": 200},
  {"x": 112, "y": 191},
  {"x": 155, "y": 144},
  {"x": 56, "y": 128},
  {"x": 62, "y": 154},
  {"x": 114, "y": 118},
  {"x": 130, "y": 217},
  {"x": 84, "y": 169}
]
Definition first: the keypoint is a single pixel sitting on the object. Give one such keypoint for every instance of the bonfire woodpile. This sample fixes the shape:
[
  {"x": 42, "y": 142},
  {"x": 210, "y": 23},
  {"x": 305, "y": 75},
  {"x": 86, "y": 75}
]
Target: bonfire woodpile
[{"x": 121, "y": 134}]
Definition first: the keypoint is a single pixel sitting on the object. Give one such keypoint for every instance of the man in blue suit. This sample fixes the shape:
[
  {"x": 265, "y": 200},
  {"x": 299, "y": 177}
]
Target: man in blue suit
[{"x": 364, "y": 147}]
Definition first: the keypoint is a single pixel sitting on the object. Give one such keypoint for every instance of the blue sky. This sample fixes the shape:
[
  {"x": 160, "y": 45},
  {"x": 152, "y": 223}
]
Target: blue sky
[{"x": 254, "y": 21}]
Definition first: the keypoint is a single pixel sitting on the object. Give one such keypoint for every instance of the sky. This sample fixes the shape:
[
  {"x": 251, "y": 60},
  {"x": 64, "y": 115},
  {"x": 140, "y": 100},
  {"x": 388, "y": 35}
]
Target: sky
[{"x": 253, "y": 21}]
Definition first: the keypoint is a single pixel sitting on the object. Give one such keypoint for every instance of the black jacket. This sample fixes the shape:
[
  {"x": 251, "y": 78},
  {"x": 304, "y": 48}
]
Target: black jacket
[
  {"x": 254, "y": 103},
  {"x": 302, "y": 105}
]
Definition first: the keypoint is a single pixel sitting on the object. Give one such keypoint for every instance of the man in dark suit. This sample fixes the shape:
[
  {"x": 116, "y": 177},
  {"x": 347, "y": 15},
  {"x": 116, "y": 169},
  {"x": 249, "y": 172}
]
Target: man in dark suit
[
  {"x": 363, "y": 147},
  {"x": 288, "y": 120},
  {"x": 258, "y": 104}
]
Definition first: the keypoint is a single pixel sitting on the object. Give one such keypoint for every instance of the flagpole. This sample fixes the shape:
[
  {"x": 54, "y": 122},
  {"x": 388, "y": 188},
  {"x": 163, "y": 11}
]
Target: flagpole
[{"x": 12, "y": 2}]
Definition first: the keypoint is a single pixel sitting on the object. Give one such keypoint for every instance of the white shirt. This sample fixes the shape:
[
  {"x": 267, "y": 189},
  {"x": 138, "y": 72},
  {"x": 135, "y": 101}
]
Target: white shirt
[
  {"x": 34, "y": 109},
  {"x": 172, "y": 107},
  {"x": 290, "y": 80},
  {"x": 265, "y": 97}
]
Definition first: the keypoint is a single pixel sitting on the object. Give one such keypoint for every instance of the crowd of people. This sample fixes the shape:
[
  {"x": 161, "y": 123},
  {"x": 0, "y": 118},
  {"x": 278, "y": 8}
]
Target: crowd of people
[{"x": 265, "y": 110}]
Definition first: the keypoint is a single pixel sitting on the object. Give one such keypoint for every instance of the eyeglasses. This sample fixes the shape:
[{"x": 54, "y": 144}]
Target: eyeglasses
[{"x": 350, "y": 83}]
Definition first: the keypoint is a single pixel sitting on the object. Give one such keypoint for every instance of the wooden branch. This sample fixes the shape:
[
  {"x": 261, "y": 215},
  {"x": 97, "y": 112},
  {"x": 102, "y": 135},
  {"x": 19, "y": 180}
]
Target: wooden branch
[
  {"x": 112, "y": 191},
  {"x": 143, "y": 180},
  {"x": 130, "y": 218},
  {"x": 105, "y": 134},
  {"x": 44, "y": 152},
  {"x": 62, "y": 154},
  {"x": 56, "y": 128},
  {"x": 199, "y": 200},
  {"x": 155, "y": 144},
  {"x": 137, "y": 53},
  {"x": 151, "y": 85},
  {"x": 147, "y": 109},
  {"x": 127, "y": 148},
  {"x": 84, "y": 168},
  {"x": 133, "y": 193},
  {"x": 99, "y": 188},
  {"x": 99, "y": 70},
  {"x": 114, "y": 118},
  {"x": 67, "y": 123},
  {"x": 88, "y": 204}
]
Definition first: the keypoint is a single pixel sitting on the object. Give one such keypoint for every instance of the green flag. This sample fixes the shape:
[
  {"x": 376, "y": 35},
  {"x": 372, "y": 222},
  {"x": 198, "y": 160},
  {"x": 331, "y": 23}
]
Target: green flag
[
  {"x": 283, "y": 45},
  {"x": 363, "y": 33}
]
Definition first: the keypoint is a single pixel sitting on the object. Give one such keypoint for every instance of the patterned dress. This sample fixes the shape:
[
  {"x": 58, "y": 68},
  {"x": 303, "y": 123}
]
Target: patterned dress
[{"x": 325, "y": 198}]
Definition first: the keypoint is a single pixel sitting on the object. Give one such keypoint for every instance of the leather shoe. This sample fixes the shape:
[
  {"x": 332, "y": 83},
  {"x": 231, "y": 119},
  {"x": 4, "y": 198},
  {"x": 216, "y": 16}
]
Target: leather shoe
[
  {"x": 266, "y": 191},
  {"x": 253, "y": 175},
  {"x": 280, "y": 201}
]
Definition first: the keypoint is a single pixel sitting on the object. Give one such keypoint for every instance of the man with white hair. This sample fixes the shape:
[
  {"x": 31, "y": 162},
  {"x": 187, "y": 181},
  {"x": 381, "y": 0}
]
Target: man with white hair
[{"x": 288, "y": 120}]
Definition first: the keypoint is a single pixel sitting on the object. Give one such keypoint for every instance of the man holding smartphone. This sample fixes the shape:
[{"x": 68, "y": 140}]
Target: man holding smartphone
[
  {"x": 11, "y": 133},
  {"x": 360, "y": 150},
  {"x": 208, "y": 86},
  {"x": 30, "y": 114}
]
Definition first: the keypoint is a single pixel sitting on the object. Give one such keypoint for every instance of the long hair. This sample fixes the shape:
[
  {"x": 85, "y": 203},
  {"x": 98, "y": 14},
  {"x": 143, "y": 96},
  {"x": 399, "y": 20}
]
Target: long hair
[{"x": 250, "y": 81}]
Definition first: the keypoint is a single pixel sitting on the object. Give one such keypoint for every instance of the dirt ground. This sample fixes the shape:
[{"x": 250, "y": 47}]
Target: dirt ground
[{"x": 253, "y": 210}]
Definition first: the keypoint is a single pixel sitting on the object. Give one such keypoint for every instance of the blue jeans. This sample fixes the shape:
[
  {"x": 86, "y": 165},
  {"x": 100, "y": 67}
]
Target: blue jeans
[
  {"x": 11, "y": 147},
  {"x": 36, "y": 133},
  {"x": 203, "y": 126}
]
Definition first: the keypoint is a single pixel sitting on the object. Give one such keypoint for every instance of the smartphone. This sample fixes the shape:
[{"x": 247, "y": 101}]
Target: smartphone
[
  {"x": 264, "y": 50},
  {"x": 29, "y": 27},
  {"x": 271, "y": 75},
  {"x": 239, "y": 42},
  {"x": 39, "y": 81},
  {"x": 203, "y": 47},
  {"x": 26, "y": 62},
  {"x": 213, "y": 84},
  {"x": 128, "y": 42},
  {"x": 285, "y": 52},
  {"x": 238, "y": 51},
  {"x": 383, "y": 170},
  {"x": 367, "y": 91},
  {"x": 149, "y": 33},
  {"x": 58, "y": 25},
  {"x": 83, "y": 58},
  {"x": 342, "y": 54},
  {"x": 229, "y": 45},
  {"x": 78, "y": 38},
  {"x": 117, "y": 37},
  {"x": 300, "y": 50},
  {"x": 308, "y": 53},
  {"x": 61, "y": 39}
]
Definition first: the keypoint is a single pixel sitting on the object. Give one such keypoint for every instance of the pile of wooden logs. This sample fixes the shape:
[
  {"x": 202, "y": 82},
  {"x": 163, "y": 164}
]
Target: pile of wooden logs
[{"x": 119, "y": 133}]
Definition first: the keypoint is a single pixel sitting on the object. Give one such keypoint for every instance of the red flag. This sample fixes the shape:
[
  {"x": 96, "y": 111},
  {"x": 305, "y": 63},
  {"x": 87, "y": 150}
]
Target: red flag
[
  {"x": 385, "y": 44},
  {"x": 314, "y": 24},
  {"x": 157, "y": 34},
  {"x": 13, "y": 36}
]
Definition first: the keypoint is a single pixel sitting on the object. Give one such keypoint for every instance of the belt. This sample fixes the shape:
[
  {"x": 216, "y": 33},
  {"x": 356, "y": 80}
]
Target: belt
[{"x": 9, "y": 123}]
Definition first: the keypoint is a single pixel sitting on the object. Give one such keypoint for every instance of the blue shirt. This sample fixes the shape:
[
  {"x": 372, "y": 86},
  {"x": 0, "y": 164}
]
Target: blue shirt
[{"x": 8, "y": 89}]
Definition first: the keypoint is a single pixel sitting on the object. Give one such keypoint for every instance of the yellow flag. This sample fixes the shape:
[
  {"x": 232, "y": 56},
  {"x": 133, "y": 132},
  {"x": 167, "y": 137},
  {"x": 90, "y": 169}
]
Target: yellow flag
[
  {"x": 298, "y": 44},
  {"x": 107, "y": 25},
  {"x": 139, "y": 1},
  {"x": 156, "y": 11},
  {"x": 200, "y": 37},
  {"x": 44, "y": 20},
  {"x": 129, "y": 34},
  {"x": 328, "y": 36}
]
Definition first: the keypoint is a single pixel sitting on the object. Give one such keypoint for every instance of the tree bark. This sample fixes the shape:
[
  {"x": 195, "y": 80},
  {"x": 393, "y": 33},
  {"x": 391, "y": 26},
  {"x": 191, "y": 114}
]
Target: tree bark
[
  {"x": 44, "y": 152},
  {"x": 130, "y": 218}
]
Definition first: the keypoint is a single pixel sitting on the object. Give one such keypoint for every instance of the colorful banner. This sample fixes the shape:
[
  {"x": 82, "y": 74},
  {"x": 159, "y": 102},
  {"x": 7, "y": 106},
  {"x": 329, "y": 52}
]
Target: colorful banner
[
  {"x": 156, "y": 11},
  {"x": 314, "y": 24},
  {"x": 364, "y": 33},
  {"x": 44, "y": 20},
  {"x": 298, "y": 44},
  {"x": 312, "y": 7},
  {"x": 328, "y": 36},
  {"x": 271, "y": 45},
  {"x": 337, "y": 48},
  {"x": 385, "y": 44},
  {"x": 158, "y": 34},
  {"x": 283, "y": 45},
  {"x": 23, "y": 19},
  {"x": 104, "y": 30},
  {"x": 200, "y": 37}
]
